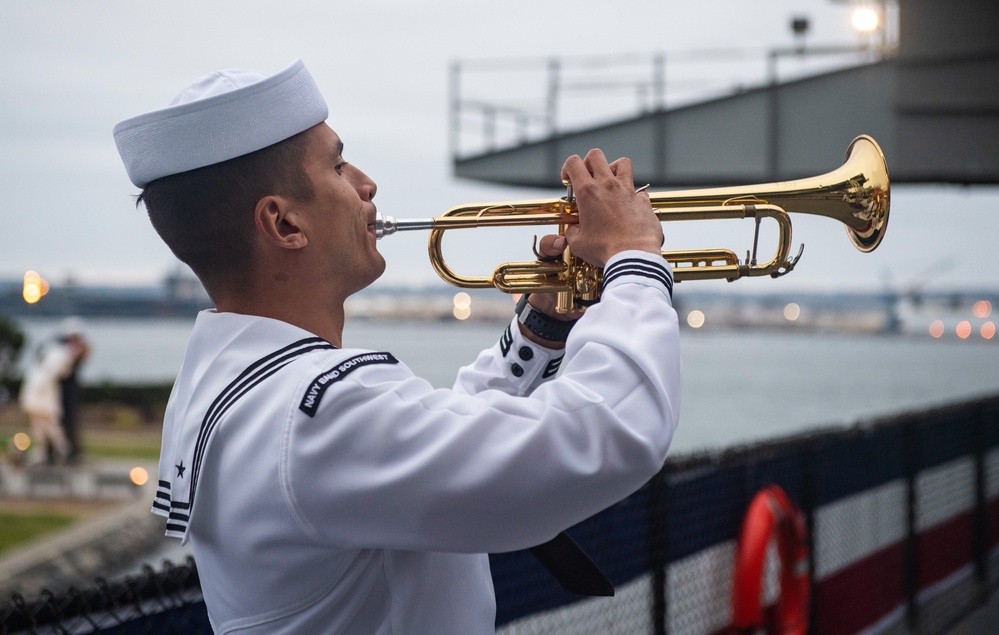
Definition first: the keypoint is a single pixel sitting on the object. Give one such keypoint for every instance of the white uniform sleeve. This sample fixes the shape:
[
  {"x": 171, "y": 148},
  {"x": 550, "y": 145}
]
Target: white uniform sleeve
[
  {"x": 514, "y": 365},
  {"x": 388, "y": 462}
]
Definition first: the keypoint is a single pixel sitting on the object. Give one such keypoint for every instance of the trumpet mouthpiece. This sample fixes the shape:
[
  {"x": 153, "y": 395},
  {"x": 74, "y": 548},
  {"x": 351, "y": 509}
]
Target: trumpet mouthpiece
[{"x": 385, "y": 226}]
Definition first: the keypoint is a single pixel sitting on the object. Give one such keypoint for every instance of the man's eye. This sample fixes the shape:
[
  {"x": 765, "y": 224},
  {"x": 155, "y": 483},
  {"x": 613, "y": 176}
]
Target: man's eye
[{"x": 340, "y": 166}]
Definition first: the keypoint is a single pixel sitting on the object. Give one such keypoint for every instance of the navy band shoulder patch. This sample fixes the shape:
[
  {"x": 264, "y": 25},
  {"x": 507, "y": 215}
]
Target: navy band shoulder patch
[{"x": 310, "y": 402}]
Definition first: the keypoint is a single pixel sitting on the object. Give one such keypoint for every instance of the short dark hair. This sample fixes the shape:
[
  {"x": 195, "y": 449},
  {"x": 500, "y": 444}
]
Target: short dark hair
[{"x": 205, "y": 215}]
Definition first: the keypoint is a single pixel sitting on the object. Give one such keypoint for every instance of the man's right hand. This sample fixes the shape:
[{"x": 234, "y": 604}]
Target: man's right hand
[{"x": 612, "y": 216}]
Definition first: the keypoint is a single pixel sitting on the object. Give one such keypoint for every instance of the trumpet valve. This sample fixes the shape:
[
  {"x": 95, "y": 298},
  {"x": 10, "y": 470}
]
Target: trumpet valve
[{"x": 586, "y": 281}]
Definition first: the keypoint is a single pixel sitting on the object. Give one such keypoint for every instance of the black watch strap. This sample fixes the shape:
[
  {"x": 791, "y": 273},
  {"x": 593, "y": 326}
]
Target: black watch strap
[{"x": 544, "y": 326}]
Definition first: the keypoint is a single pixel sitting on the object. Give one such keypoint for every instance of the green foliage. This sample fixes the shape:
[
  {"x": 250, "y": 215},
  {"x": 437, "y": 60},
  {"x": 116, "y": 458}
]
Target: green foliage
[
  {"x": 11, "y": 343},
  {"x": 143, "y": 444},
  {"x": 136, "y": 451},
  {"x": 16, "y": 529},
  {"x": 146, "y": 398}
]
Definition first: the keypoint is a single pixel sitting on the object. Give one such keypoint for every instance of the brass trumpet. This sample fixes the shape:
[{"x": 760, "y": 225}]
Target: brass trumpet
[{"x": 856, "y": 194}]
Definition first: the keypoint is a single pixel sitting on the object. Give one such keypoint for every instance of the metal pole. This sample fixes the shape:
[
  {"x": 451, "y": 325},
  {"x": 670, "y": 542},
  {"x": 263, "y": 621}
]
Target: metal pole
[
  {"x": 551, "y": 110},
  {"x": 773, "y": 106},
  {"x": 884, "y": 28},
  {"x": 659, "y": 81},
  {"x": 660, "y": 127},
  {"x": 454, "y": 90},
  {"x": 489, "y": 126}
]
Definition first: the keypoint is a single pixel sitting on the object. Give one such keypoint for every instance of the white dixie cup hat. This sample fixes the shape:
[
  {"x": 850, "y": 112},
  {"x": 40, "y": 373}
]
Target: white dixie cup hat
[{"x": 220, "y": 116}]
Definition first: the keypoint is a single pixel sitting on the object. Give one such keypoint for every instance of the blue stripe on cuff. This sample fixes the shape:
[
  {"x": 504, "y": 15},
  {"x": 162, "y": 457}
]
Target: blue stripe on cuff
[{"x": 641, "y": 268}]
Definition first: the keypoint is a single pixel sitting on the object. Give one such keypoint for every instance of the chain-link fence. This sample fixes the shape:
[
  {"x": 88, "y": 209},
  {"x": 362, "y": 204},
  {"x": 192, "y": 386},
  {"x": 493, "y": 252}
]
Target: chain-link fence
[
  {"x": 903, "y": 536},
  {"x": 167, "y": 601}
]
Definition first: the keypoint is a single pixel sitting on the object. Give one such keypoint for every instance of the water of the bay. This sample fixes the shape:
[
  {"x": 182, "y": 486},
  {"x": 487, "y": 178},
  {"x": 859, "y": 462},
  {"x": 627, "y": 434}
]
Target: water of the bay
[{"x": 739, "y": 386}]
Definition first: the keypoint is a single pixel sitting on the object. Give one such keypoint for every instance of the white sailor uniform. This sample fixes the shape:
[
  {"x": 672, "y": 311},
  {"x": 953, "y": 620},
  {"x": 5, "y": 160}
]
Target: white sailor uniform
[{"x": 331, "y": 491}]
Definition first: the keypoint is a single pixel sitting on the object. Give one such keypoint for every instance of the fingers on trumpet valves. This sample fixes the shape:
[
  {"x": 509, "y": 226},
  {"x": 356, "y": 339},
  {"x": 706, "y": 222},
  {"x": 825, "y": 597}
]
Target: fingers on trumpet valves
[
  {"x": 541, "y": 257},
  {"x": 550, "y": 248},
  {"x": 662, "y": 235}
]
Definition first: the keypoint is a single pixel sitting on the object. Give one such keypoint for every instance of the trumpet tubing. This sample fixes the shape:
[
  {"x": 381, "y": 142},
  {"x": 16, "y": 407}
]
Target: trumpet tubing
[{"x": 857, "y": 194}]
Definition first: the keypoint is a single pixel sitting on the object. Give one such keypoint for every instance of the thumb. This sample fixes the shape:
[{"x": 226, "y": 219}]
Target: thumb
[{"x": 551, "y": 246}]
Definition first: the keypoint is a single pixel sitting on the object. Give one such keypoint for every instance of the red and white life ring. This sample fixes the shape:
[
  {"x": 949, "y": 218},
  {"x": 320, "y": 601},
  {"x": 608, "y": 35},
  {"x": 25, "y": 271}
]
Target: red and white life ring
[{"x": 772, "y": 515}]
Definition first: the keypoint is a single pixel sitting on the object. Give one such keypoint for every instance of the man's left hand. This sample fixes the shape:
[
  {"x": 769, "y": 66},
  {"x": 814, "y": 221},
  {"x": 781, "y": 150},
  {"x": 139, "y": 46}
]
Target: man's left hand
[{"x": 550, "y": 246}]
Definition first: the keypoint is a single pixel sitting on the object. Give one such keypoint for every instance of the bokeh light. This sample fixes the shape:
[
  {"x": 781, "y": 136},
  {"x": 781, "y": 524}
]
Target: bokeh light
[
  {"x": 963, "y": 329},
  {"x": 937, "y": 328},
  {"x": 35, "y": 287},
  {"x": 22, "y": 441},
  {"x": 792, "y": 311},
  {"x": 982, "y": 309},
  {"x": 695, "y": 319},
  {"x": 462, "y": 306},
  {"x": 139, "y": 476},
  {"x": 988, "y": 330}
]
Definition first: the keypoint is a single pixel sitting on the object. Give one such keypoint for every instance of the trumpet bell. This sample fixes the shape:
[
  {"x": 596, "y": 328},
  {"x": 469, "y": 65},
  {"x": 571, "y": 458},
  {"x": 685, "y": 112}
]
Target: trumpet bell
[
  {"x": 856, "y": 194},
  {"x": 871, "y": 199}
]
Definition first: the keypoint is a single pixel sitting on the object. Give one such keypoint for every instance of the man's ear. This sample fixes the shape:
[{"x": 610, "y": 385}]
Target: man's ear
[{"x": 278, "y": 223}]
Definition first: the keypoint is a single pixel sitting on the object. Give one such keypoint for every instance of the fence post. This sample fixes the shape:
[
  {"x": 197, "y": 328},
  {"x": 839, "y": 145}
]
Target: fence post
[
  {"x": 911, "y": 459},
  {"x": 981, "y": 536},
  {"x": 658, "y": 547},
  {"x": 808, "y": 498}
]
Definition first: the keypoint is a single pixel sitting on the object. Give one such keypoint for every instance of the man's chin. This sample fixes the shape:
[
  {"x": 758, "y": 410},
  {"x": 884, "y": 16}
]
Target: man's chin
[{"x": 376, "y": 272}]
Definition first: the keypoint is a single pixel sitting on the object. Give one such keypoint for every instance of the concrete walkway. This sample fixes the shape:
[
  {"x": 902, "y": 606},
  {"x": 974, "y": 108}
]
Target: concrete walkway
[
  {"x": 110, "y": 545},
  {"x": 104, "y": 479}
]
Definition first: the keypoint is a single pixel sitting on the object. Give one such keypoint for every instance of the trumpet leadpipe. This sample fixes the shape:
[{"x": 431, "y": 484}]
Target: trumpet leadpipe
[
  {"x": 388, "y": 225},
  {"x": 529, "y": 214}
]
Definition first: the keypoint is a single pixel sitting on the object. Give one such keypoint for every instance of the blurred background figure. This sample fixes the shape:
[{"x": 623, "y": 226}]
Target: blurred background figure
[
  {"x": 72, "y": 337},
  {"x": 42, "y": 395},
  {"x": 11, "y": 343}
]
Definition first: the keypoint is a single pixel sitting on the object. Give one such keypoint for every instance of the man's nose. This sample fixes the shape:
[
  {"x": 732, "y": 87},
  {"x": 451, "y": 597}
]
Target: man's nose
[{"x": 366, "y": 188}]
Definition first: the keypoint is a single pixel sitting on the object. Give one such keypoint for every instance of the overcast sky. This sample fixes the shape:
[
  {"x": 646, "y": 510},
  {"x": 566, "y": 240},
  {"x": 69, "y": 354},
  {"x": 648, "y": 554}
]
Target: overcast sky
[{"x": 71, "y": 70}]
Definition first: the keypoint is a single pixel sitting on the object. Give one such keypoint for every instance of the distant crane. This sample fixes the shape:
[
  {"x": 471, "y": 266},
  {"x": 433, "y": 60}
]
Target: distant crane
[{"x": 893, "y": 297}]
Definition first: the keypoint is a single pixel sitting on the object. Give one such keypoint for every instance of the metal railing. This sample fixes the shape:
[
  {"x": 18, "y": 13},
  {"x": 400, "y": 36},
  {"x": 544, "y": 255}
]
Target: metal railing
[{"x": 498, "y": 103}]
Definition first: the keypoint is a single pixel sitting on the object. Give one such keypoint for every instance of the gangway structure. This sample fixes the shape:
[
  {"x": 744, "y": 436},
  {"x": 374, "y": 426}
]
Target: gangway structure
[{"x": 931, "y": 99}]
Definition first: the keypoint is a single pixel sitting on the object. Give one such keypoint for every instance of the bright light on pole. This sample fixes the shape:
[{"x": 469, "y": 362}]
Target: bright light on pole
[{"x": 865, "y": 20}]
